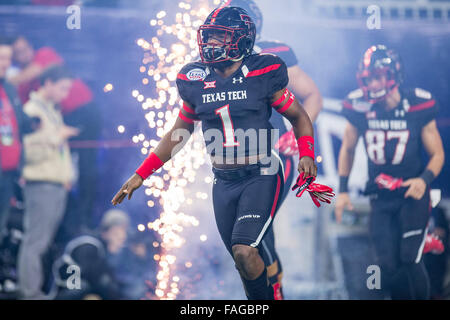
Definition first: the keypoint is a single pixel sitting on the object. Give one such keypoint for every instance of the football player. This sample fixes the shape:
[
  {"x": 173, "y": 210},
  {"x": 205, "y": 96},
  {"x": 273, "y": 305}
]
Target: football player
[
  {"x": 233, "y": 92},
  {"x": 306, "y": 90},
  {"x": 394, "y": 123}
]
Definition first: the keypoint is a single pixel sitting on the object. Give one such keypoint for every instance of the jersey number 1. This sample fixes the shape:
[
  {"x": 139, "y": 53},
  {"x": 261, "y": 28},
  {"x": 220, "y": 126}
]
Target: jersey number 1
[
  {"x": 376, "y": 141},
  {"x": 224, "y": 113}
]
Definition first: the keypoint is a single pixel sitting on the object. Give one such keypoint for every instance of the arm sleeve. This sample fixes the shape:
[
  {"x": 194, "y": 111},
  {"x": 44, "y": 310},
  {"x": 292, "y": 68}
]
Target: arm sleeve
[
  {"x": 279, "y": 77},
  {"x": 184, "y": 86},
  {"x": 350, "y": 114},
  {"x": 429, "y": 114}
]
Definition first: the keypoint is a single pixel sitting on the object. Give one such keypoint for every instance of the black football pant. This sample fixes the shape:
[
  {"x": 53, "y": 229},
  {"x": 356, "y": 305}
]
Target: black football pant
[
  {"x": 245, "y": 205},
  {"x": 398, "y": 228}
]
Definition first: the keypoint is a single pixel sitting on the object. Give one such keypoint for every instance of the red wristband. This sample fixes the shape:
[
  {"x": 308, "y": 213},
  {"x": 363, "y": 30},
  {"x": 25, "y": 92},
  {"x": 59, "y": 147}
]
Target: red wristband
[
  {"x": 149, "y": 166},
  {"x": 306, "y": 146}
]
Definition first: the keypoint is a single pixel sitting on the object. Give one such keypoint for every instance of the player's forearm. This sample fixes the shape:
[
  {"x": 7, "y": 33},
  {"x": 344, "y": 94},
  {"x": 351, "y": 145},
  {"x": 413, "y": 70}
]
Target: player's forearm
[
  {"x": 301, "y": 124},
  {"x": 345, "y": 162},
  {"x": 170, "y": 145},
  {"x": 436, "y": 162}
]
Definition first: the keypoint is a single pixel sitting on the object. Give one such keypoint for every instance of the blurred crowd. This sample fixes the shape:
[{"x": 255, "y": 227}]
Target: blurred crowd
[{"x": 47, "y": 189}]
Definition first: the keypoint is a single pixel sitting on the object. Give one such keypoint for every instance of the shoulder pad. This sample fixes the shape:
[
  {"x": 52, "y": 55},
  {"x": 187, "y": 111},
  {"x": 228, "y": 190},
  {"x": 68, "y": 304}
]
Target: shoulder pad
[
  {"x": 355, "y": 94},
  {"x": 355, "y": 102},
  {"x": 262, "y": 63},
  {"x": 423, "y": 94}
]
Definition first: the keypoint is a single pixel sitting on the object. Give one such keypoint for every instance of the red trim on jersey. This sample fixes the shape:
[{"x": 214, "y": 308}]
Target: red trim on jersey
[
  {"x": 275, "y": 201},
  {"x": 275, "y": 49},
  {"x": 259, "y": 72},
  {"x": 182, "y": 77},
  {"x": 187, "y": 109},
  {"x": 184, "y": 118},
  {"x": 422, "y": 106}
]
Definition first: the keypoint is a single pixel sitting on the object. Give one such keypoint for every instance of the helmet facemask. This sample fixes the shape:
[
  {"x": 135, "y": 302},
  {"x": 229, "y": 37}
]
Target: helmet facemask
[
  {"x": 219, "y": 43},
  {"x": 366, "y": 76}
]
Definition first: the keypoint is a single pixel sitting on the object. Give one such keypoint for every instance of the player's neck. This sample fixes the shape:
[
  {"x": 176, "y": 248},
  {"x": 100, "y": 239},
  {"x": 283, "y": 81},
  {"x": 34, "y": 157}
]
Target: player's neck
[
  {"x": 229, "y": 70},
  {"x": 392, "y": 99}
]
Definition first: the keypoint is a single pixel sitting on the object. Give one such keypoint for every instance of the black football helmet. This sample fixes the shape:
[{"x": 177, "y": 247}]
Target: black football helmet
[
  {"x": 234, "y": 32},
  {"x": 252, "y": 9},
  {"x": 379, "y": 60}
]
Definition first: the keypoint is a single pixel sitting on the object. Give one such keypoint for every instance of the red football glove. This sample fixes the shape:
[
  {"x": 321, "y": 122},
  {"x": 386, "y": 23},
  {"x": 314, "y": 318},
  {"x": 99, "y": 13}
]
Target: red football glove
[
  {"x": 385, "y": 181},
  {"x": 287, "y": 144},
  {"x": 433, "y": 244},
  {"x": 317, "y": 192}
]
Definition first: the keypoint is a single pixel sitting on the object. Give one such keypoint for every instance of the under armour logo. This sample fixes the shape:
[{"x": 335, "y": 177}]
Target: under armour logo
[
  {"x": 310, "y": 145},
  {"x": 215, "y": 180},
  {"x": 236, "y": 80},
  {"x": 209, "y": 84},
  {"x": 399, "y": 113},
  {"x": 406, "y": 105}
]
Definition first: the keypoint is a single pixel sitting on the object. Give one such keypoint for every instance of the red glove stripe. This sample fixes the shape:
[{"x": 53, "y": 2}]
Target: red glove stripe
[
  {"x": 149, "y": 166},
  {"x": 306, "y": 146}
]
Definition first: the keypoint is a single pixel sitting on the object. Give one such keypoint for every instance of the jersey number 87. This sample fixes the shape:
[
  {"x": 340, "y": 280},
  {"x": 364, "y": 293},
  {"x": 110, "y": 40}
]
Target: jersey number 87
[{"x": 376, "y": 141}]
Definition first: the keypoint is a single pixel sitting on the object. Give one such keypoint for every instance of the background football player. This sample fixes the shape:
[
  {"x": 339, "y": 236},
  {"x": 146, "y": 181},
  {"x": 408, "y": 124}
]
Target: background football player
[
  {"x": 395, "y": 123},
  {"x": 233, "y": 90},
  {"x": 306, "y": 90}
]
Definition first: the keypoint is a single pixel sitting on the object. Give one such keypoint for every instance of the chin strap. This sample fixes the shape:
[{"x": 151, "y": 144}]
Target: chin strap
[
  {"x": 317, "y": 192},
  {"x": 238, "y": 59}
]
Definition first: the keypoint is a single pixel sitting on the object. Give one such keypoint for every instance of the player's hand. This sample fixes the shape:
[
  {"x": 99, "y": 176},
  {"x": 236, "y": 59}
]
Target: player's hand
[
  {"x": 307, "y": 165},
  {"x": 67, "y": 132},
  {"x": 342, "y": 202},
  {"x": 128, "y": 188},
  {"x": 417, "y": 187}
]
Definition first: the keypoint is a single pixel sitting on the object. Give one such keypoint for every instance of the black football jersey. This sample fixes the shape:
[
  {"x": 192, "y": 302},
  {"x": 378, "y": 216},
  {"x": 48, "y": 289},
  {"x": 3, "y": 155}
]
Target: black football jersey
[
  {"x": 290, "y": 59},
  {"x": 278, "y": 48},
  {"x": 234, "y": 104},
  {"x": 392, "y": 138}
]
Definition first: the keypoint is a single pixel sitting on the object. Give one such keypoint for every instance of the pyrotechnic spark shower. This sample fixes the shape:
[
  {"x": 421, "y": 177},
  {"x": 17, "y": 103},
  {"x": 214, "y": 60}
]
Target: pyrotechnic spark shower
[{"x": 174, "y": 45}]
